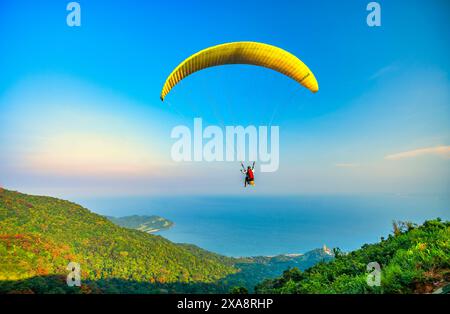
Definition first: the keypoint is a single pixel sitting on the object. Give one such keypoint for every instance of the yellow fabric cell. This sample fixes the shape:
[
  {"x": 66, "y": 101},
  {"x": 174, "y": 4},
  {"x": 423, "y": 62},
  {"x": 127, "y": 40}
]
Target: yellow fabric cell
[{"x": 253, "y": 53}]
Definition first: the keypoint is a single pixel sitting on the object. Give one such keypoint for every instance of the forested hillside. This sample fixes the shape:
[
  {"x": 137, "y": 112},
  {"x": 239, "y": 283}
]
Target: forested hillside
[
  {"x": 255, "y": 269},
  {"x": 415, "y": 259},
  {"x": 40, "y": 235}
]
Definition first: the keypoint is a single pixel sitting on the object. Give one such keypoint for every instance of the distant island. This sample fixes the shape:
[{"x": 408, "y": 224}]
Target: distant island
[{"x": 147, "y": 224}]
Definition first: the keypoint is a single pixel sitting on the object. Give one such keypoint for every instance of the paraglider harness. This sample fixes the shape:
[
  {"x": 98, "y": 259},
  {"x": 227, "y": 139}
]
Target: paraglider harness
[{"x": 249, "y": 175}]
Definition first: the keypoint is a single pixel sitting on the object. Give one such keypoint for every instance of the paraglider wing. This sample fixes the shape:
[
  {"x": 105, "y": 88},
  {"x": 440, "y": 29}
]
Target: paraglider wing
[{"x": 253, "y": 53}]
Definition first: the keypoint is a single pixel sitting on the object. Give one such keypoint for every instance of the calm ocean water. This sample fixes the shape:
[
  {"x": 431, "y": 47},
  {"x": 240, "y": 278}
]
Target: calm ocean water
[{"x": 240, "y": 226}]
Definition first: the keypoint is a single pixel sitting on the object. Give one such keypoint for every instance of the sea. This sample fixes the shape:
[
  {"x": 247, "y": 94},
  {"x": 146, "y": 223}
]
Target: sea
[{"x": 272, "y": 225}]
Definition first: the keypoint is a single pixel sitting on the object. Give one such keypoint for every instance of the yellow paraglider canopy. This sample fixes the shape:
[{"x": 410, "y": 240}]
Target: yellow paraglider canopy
[{"x": 253, "y": 53}]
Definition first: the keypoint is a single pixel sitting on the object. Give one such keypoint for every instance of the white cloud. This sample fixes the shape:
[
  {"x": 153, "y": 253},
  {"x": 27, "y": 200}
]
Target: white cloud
[{"x": 438, "y": 150}]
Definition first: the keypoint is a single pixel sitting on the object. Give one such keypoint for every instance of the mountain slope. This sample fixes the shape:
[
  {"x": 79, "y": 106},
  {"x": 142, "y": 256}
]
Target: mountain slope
[
  {"x": 40, "y": 235},
  {"x": 413, "y": 260},
  {"x": 253, "y": 270}
]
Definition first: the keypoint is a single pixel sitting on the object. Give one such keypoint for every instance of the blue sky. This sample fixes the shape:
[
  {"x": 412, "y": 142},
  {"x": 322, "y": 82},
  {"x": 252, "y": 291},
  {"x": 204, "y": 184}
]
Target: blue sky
[{"x": 80, "y": 110}]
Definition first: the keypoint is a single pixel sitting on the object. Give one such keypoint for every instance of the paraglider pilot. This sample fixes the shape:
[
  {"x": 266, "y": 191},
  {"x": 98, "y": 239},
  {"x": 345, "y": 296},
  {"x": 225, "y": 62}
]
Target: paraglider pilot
[{"x": 249, "y": 174}]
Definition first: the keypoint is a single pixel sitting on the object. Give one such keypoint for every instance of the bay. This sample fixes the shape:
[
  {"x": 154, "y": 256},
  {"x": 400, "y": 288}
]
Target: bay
[{"x": 271, "y": 225}]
